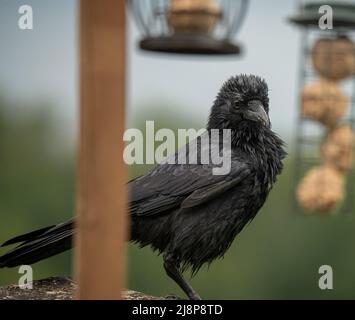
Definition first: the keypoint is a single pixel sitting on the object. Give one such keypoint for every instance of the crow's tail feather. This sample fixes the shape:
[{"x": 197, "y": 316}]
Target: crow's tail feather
[{"x": 38, "y": 245}]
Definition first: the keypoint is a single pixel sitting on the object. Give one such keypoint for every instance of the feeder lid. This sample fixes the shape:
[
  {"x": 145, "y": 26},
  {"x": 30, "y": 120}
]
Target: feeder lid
[
  {"x": 189, "y": 44},
  {"x": 343, "y": 13}
]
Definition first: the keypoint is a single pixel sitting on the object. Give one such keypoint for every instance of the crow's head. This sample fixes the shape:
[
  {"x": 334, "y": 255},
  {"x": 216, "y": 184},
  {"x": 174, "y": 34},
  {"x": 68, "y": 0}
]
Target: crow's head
[{"x": 242, "y": 101}]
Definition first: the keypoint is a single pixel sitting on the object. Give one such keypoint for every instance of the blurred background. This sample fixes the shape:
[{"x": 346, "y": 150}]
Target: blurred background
[{"x": 277, "y": 256}]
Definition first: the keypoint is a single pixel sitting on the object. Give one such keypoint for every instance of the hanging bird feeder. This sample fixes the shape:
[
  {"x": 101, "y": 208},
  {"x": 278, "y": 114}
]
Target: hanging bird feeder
[
  {"x": 324, "y": 166},
  {"x": 189, "y": 26}
]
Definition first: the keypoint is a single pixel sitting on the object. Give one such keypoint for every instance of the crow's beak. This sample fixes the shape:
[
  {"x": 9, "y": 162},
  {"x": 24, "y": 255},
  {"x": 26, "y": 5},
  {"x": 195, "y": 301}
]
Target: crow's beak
[{"x": 256, "y": 112}]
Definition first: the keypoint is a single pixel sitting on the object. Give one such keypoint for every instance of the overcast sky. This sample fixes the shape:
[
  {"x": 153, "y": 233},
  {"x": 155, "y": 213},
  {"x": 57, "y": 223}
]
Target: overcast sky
[{"x": 41, "y": 65}]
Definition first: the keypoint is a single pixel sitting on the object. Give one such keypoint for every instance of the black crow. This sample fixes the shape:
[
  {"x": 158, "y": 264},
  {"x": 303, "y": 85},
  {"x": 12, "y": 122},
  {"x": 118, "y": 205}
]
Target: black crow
[{"x": 185, "y": 211}]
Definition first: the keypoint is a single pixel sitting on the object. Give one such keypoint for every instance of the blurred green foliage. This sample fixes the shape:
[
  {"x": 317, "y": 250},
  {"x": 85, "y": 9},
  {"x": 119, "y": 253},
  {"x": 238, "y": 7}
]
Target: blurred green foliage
[{"x": 277, "y": 256}]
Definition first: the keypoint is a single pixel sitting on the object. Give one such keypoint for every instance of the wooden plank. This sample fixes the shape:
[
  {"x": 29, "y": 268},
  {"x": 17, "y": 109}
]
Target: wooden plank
[{"x": 101, "y": 193}]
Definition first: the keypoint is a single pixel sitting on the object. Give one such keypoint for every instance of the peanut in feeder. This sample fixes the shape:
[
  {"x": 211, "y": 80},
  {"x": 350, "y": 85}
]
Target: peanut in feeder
[
  {"x": 325, "y": 102},
  {"x": 321, "y": 190},
  {"x": 193, "y": 16},
  {"x": 334, "y": 59},
  {"x": 337, "y": 148}
]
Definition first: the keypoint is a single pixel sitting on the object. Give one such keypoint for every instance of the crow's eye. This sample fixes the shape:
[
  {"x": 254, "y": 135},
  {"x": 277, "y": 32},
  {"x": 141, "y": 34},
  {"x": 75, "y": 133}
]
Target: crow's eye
[{"x": 238, "y": 103}]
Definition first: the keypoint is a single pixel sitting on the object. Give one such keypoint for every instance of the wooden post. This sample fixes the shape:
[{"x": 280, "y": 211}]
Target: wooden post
[{"x": 101, "y": 198}]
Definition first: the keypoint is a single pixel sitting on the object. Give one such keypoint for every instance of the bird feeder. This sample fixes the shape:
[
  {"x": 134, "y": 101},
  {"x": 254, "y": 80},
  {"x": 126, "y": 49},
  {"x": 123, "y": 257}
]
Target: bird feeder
[
  {"x": 324, "y": 169},
  {"x": 189, "y": 26}
]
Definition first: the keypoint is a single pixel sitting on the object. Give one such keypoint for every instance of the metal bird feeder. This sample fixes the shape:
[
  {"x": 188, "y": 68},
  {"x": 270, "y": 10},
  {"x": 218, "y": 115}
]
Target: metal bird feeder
[
  {"x": 189, "y": 26},
  {"x": 326, "y": 109}
]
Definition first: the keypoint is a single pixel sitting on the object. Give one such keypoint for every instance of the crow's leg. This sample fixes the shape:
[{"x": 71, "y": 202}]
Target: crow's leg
[{"x": 171, "y": 266}]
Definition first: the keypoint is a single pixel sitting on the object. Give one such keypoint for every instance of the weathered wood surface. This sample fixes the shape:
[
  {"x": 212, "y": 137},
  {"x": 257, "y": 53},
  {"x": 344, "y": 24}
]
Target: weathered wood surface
[{"x": 57, "y": 288}]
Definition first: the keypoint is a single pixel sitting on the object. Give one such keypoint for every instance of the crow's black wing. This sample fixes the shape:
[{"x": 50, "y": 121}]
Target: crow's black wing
[{"x": 171, "y": 186}]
